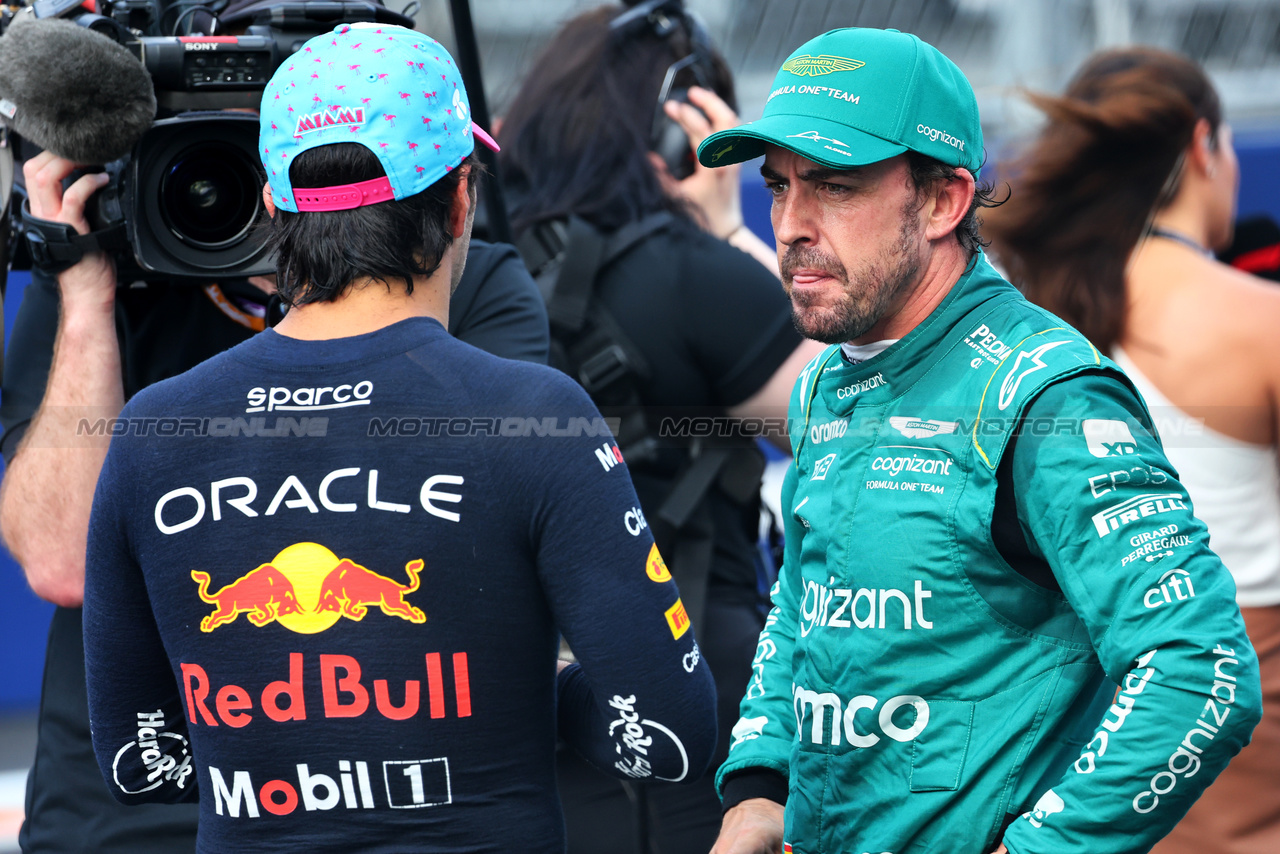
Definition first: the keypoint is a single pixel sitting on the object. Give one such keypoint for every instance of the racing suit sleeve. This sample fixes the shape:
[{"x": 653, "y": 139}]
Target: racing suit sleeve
[
  {"x": 135, "y": 710},
  {"x": 1104, "y": 507},
  {"x": 640, "y": 703},
  {"x": 765, "y": 731}
]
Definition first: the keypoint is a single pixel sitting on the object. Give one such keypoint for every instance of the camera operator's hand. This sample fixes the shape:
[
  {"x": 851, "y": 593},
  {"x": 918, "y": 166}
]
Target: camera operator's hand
[
  {"x": 717, "y": 192},
  {"x": 93, "y": 279}
]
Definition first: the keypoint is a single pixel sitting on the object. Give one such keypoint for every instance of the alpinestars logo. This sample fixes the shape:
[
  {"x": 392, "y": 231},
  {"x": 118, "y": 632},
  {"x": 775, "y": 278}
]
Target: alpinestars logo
[
  {"x": 333, "y": 117},
  {"x": 1009, "y": 388},
  {"x": 805, "y": 65},
  {"x": 921, "y": 428}
]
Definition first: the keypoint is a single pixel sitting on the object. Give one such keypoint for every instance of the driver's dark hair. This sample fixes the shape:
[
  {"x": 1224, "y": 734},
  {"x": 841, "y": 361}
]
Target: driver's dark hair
[
  {"x": 927, "y": 172},
  {"x": 319, "y": 254},
  {"x": 576, "y": 138}
]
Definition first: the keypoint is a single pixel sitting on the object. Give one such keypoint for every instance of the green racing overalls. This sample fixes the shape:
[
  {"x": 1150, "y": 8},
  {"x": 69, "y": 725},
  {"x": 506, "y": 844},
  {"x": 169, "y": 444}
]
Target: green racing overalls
[{"x": 916, "y": 690}]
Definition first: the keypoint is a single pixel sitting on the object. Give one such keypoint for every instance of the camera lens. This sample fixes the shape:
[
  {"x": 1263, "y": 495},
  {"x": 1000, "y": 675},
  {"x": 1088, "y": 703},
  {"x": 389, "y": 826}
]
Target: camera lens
[{"x": 209, "y": 195}]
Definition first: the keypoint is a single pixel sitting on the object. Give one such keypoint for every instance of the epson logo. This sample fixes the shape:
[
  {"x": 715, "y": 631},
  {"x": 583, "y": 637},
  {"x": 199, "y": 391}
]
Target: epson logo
[{"x": 309, "y": 399}]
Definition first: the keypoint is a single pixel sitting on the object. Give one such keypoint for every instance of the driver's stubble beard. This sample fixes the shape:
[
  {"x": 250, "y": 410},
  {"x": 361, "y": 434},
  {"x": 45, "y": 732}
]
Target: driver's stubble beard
[{"x": 867, "y": 297}]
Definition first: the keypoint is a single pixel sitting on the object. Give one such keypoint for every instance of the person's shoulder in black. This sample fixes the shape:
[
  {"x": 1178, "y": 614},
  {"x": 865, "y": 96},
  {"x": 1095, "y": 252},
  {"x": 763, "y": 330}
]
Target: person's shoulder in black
[{"x": 496, "y": 306}]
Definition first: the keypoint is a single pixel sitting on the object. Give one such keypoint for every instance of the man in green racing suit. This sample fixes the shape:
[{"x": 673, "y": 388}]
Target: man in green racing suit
[{"x": 998, "y": 625}]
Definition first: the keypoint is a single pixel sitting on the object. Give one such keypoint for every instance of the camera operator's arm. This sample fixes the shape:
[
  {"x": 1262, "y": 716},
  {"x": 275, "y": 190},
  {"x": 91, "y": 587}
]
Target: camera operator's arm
[
  {"x": 48, "y": 486},
  {"x": 715, "y": 192}
]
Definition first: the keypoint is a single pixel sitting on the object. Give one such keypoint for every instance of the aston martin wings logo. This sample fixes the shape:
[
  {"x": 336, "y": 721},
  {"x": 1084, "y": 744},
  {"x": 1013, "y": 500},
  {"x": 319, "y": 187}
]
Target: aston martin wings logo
[
  {"x": 921, "y": 428},
  {"x": 815, "y": 66}
]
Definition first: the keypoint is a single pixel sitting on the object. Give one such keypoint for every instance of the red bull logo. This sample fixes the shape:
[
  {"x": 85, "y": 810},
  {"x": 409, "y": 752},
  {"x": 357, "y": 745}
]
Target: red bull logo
[{"x": 306, "y": 588}]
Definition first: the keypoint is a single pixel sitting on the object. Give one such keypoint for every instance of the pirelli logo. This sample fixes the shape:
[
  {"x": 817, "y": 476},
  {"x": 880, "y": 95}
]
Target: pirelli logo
[
  {"x": 677, "y": 619},
  {"x": 1138, "y": 507},
  {"x": 805, "y": 65}
]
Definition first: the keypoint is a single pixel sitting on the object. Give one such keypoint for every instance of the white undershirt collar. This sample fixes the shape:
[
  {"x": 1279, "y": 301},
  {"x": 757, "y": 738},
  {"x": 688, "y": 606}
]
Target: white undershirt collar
[{"x": 855, "y": 353}]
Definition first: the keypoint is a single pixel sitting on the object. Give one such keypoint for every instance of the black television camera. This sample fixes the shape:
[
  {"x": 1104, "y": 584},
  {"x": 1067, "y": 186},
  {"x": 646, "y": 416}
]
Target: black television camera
[{"x": 187, "y": 201}]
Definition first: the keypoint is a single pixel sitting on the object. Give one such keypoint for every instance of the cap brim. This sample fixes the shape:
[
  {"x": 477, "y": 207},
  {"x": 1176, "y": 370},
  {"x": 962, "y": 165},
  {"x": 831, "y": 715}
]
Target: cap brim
[
  {"x": 483, "y": 136},
  {"x": 829, "y": 143}
]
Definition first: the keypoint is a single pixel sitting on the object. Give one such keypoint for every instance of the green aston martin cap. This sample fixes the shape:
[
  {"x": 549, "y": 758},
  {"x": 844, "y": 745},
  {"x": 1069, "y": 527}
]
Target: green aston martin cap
[{"x": 856, "y": 96}]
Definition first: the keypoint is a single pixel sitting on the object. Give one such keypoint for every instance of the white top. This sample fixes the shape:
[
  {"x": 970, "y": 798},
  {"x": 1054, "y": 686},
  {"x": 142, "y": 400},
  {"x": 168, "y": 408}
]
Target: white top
[
  {"x": 855, "y": 353},
  {"x": 1234, "y": 488}
]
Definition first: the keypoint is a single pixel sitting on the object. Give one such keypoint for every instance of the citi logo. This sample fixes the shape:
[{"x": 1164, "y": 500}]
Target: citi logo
[
  {"x": 1138, "y": 507},
  {"x": 332, "y": 117},
  {"x": 844, "y": 717},
  {"x": 309, "y": 399},
  {"x": 1175, "y": 586},
  {"x": 608, "y": 455}
]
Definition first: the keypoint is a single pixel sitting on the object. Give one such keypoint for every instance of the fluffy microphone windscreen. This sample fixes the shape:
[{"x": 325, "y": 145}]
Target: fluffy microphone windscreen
[{"x": 73, "y": 91}]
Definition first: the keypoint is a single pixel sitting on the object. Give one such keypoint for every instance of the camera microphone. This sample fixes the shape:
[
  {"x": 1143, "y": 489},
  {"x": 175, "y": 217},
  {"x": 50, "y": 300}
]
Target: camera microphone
[{"x": 73, "y": 91}]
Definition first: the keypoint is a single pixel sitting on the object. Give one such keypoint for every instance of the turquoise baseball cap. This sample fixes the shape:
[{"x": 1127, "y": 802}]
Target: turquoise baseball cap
[{"x": 856, "y": 96}]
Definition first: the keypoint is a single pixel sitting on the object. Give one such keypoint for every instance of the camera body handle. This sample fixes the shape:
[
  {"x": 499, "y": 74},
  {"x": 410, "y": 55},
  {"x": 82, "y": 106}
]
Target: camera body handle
[{"x": 56, "y": 246}]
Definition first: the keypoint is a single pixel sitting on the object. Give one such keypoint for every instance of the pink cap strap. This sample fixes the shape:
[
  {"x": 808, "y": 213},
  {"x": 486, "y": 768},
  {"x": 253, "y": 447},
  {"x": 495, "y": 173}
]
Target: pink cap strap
[{"x": 343, "y": 197}]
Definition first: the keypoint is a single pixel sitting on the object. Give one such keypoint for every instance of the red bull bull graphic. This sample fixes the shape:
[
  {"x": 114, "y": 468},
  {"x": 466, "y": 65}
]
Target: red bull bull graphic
[
  {"x": 349, "y": 588},
  {"x": 265, "y": 594},
  {"x": 306, "y": 588}
]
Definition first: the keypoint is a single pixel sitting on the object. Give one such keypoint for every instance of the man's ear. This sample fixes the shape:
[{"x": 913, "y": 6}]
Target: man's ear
[
  {"x": 268, "y": 202},
  {"x": 951, "y": 200},
  {"x": 462, "y": 201}
]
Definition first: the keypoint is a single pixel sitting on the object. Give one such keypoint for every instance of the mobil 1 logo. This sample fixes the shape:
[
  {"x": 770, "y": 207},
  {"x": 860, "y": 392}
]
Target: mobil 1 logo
[{"x": 416, "y": 783}]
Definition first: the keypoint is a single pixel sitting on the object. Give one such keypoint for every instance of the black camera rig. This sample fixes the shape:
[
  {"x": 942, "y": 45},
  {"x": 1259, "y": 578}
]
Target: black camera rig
[{"x": 186, "y": 202}]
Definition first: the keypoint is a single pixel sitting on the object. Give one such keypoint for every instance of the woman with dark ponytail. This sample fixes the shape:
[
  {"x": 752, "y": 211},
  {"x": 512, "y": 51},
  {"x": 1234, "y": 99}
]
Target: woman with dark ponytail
[{"x": 1114, "y": 216}]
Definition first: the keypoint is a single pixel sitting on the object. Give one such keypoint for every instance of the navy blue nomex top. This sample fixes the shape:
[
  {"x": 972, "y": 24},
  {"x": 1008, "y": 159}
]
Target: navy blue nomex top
[{"x": 325, "y": 582}]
